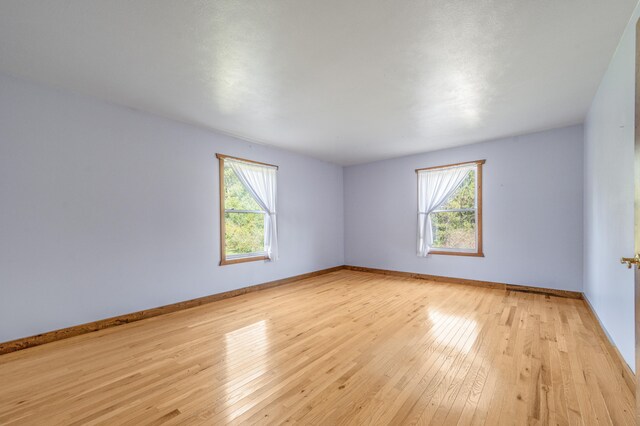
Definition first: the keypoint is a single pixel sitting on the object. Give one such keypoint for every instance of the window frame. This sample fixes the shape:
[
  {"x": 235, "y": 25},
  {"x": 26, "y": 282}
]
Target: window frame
[
  {"x": 478, "y": 252},
  {"x": 234, "y": 259}
]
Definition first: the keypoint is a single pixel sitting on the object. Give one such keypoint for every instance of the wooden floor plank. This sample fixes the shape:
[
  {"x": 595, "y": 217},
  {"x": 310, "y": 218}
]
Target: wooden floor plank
[{"x": 347, "y": 347}]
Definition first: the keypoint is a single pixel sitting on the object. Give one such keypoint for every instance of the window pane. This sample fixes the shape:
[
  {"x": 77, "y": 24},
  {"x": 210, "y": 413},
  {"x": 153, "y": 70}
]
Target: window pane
[
  {"x": 236, "y": 197},
  {"x": 244, "y": 233},
  {"x": 465, "y": 196},
  {"x": 454, "y": 230}
]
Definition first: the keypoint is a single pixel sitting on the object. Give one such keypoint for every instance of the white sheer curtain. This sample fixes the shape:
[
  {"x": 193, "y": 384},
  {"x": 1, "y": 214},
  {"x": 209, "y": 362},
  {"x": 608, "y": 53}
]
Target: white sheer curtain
[
  {"x": 434, "y": 188},
  {"x": 261, "y": 182}
]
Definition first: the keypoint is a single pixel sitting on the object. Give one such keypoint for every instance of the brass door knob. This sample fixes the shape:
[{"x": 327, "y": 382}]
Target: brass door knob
[{"x": 630, "y": 260}]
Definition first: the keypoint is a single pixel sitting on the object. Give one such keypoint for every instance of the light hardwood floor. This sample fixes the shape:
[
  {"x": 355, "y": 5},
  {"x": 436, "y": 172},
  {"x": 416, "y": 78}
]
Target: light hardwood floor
[{"x": 346, "y": 347}]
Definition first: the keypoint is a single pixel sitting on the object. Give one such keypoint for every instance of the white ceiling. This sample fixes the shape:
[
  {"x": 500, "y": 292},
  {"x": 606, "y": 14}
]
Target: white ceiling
[{"x": 348, "y": 81}]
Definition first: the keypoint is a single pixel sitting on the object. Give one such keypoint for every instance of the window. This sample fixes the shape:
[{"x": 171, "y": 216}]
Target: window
[
  {"x": 248, "y": 229},
  {"x": 450, "y": 209}
]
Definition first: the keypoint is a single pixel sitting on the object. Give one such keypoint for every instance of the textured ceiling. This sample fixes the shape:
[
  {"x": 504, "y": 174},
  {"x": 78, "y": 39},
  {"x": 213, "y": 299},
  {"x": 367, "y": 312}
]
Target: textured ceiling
[{"x": 345, "y": 81}]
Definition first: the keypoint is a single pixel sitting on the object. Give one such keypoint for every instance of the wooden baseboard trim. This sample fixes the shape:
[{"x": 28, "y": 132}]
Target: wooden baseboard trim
[
  {"x": 487, "y": 284},
  {"x": 620, "y": 364},
  {"x": 65, "y": 333}
]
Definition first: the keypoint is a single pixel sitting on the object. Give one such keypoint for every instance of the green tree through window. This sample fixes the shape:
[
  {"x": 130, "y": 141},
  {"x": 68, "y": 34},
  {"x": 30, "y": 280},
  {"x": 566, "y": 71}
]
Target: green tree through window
[
  {"x": 454, "y": 222},
  {"x": 244, "y": 219}
]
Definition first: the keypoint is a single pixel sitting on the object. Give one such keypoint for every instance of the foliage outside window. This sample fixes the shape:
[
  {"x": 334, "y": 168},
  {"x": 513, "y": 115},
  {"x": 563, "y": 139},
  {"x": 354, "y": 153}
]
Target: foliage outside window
[
  {"x": 242, "y": 226},
  {"x": 454, "y": 223},
  {"x": 451, "y": 197},
  {"x": 243, "y": 218}
]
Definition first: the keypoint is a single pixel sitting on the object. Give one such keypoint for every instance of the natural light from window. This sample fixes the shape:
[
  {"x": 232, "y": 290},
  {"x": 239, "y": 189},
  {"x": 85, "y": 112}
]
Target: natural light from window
[
  {"x": 248, "y": 216},
  {"x": 453, "y": 224},
  {"x": 244, "y": 219},
  {"x": 450, "y": 209}
]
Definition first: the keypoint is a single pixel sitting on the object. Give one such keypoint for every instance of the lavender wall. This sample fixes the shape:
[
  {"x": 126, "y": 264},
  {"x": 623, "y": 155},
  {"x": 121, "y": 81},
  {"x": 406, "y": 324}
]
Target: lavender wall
[
  {"x": 608, "y": 203},
  {"x": 532, "y": 212},
  {"x": 105, "y": 210}
]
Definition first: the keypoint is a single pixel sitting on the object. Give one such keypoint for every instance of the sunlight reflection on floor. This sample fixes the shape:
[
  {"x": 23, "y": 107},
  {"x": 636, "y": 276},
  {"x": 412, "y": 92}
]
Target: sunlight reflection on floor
[
  {"x": 443, "y": 336},
  {"x": 246, "y": 355}
]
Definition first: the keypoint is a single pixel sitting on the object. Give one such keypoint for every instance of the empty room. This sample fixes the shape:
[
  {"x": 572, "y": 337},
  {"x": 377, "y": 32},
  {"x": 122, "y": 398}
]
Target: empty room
[{"x": 319, "y": 212}]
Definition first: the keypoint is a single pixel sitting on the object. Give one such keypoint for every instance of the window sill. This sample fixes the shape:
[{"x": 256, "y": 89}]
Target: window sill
[
  {"x": 242, "y": 260},
  {"x": 457, "y": 253}
]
